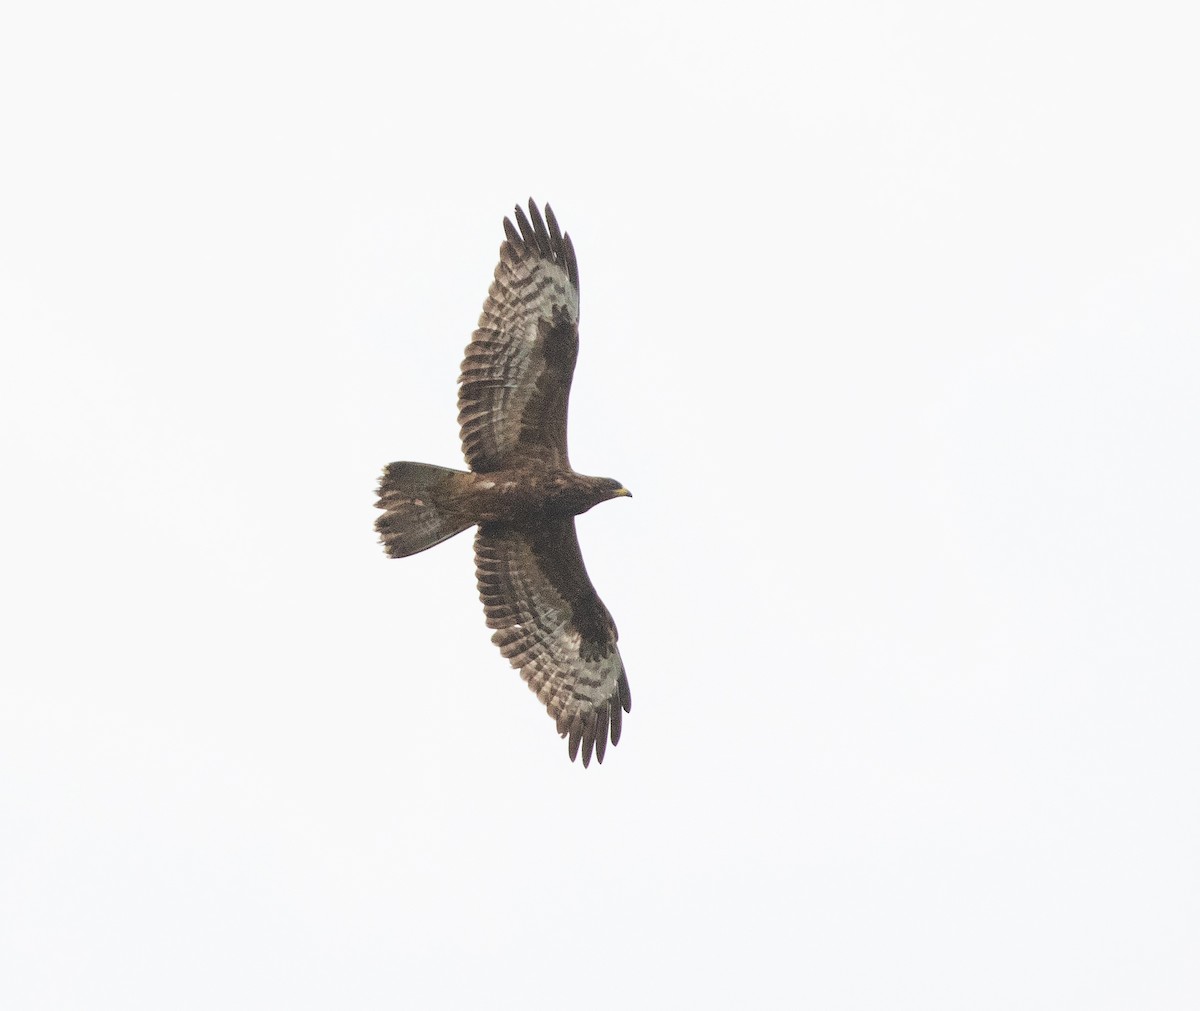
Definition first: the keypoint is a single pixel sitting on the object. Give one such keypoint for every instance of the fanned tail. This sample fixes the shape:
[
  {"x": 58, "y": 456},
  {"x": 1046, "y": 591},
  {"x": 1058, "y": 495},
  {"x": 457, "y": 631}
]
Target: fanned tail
[{"x": 417, "y": 499}]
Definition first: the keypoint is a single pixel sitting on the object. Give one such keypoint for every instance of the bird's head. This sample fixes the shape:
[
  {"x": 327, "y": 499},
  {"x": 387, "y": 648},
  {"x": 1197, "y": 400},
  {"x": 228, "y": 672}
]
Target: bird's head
[
  {"x": 618, "y": 490},
  {"x": 580, "y": 493}
]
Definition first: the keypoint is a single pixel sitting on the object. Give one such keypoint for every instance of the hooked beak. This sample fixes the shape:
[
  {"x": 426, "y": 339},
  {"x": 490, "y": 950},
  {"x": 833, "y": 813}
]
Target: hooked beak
[{"x": 623, "y": 493}]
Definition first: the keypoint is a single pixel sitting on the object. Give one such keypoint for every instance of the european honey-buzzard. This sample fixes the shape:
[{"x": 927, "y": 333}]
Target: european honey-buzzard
[{"x": 521, "y": 491}]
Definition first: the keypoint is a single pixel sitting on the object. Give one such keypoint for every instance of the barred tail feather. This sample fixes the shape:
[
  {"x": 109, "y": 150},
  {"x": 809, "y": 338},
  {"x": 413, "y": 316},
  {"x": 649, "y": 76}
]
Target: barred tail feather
[{"x": 417, "y": 499}]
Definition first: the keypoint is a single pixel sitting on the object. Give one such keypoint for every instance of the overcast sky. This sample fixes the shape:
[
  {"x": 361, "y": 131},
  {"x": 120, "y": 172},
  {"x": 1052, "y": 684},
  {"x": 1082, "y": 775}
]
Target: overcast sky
[{"x": 890, "y": 320}]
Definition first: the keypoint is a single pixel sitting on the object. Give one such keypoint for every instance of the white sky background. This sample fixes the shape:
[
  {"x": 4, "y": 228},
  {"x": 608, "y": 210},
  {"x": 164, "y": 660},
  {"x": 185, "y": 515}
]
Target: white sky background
[{"x": 890, "y": 321}]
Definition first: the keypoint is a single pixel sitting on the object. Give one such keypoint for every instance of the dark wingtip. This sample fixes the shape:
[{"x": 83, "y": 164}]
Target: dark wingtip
[
  {"x": 602, "y": 732},
  {"x": 543, "y": 234},
  {"x": 589, "y": 739},
  {"x": 591, "y": 733},
  {"x": 576, "y": 732},
  {"x": 569, "y": 259},
  {"x": 555, "y": 232},
  {"x": 524, "y": 226},
  {"x": 536, "y": 216},
  {"x": 540, "y": 235}
]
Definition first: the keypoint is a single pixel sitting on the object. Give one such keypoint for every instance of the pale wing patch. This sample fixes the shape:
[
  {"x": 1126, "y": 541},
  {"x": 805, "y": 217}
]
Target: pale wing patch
[
  {"x": 517, "y": 368},
  {"x": 581, "y": 682}
]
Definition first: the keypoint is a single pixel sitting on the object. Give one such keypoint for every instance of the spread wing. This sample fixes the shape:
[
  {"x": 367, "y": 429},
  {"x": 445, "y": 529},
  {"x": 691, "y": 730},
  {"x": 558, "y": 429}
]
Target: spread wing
[
  {"x": 554, "y": 629},
  {"x": 516, "y": 376}
]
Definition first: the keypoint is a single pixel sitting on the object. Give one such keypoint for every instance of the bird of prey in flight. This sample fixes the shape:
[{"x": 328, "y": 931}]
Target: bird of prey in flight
[{"x": 521, "y": 492}]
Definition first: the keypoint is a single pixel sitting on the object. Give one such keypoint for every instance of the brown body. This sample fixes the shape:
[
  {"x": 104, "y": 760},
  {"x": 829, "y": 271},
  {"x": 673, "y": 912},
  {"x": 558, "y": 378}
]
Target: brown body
[
  {"x": 527, "y": 498},
  {"x": 521, "y": 491}
]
